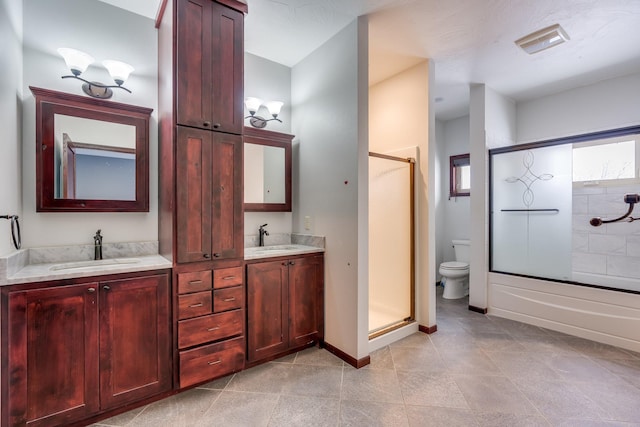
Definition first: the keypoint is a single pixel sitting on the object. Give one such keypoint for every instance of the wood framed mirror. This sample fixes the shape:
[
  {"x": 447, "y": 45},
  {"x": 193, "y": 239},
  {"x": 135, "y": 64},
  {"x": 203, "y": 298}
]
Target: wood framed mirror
[
  {"x": 92, "y": 155},
  {"x": 267, "y": 171}
]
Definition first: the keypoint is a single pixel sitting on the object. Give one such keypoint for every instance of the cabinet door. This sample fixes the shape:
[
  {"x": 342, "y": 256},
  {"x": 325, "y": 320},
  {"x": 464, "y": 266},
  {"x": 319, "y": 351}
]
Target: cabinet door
[
  {"x": 209, "y": 70},
  {"x": 227, "y": 217},
  {"x": 135, "y": 352},
  {"x": 193, "y": 194},
  {"x": 306, "y": 310},
  {"x": 194, "y": 79},
  {"x": 53, "y": 355},
  {"x": 267, "y": 309},
  {"x": 228, "y": 69}
]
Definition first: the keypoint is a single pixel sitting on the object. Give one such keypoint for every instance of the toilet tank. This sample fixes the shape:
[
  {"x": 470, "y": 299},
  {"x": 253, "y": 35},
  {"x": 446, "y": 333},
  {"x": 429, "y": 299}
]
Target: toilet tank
[{"x": 462, "y": 249}]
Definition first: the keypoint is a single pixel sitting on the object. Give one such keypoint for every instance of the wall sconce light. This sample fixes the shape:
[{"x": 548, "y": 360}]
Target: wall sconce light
[
  {"x": 254, "y": 104},
  {"x": 78, "y": 62}
]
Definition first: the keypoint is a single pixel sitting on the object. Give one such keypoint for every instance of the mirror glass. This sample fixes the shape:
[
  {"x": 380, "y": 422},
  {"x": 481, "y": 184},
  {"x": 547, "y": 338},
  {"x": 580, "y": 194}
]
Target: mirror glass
[
  {"x": 91, "y": 154},
  {"x": 267, "y": 171},
  {"x": 263, "y": 174},
  {"x": 93, "y": 159}
]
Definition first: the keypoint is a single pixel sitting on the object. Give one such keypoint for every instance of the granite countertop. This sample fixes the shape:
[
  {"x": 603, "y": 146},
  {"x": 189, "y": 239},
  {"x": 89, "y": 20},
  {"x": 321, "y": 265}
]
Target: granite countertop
[
  {"x": 70, "y": 270},
  {"x": 273, "y": 251},
  {"x": 73, "y": 261}
]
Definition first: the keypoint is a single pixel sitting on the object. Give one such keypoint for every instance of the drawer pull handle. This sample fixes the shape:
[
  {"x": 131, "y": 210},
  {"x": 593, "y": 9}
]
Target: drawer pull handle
[
  {"x": 195, "y": 282},
  {"x": 213, "y": 329},
  {"x": 216, "y": 362},
  {"x": 229, "y": 299},
  {"x": 229, "y": 278},
  {"x": 196, "y": 305},
  {"x": 91, "y": 290}
]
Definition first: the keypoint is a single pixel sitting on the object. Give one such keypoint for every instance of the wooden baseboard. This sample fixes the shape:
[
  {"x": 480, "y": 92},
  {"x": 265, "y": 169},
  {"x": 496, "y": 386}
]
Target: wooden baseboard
[
  {"x": 478, "y": 309},
  {"x": 428, "y": 329},
  {"x": 356, "y": 363}
]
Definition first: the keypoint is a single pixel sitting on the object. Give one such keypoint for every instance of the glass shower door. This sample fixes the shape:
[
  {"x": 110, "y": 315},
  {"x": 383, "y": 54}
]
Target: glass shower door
[{"x": 391, "y": 247}]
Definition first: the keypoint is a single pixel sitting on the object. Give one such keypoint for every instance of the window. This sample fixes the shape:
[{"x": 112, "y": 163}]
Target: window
[
  {"x": 459, "y": 175},
  {"x": 606, "y": 160}
]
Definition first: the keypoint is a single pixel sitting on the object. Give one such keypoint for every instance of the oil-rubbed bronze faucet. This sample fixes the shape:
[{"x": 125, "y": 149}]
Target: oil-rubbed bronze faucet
[
  {"x": 97, "y": 245},
  {"x": 263, "y": 232}
]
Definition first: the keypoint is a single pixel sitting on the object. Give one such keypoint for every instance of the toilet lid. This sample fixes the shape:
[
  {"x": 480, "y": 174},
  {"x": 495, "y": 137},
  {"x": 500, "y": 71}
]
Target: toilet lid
[{"x": 455, "y": 265}]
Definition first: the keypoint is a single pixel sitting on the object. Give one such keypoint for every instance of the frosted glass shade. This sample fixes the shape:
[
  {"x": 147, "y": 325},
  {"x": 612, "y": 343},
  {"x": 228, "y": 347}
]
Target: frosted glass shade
[
  {"x": 76, "y": 60},
  {"x": 253, "y": 104},
  {"x": 119, "y": 71},
  {"x": 274, "y": 107}
]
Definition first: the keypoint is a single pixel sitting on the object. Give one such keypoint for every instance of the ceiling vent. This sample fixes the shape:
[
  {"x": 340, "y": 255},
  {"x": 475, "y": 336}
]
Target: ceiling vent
[{"x": 543, "y": 39}]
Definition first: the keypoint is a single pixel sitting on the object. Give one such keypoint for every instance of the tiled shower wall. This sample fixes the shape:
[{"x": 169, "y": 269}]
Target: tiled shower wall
[{"x": 610, "y": 249}]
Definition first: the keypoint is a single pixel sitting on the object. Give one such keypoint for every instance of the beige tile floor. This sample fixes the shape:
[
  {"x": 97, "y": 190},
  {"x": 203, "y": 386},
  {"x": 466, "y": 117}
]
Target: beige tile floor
[{"x": 475, "y": 371}]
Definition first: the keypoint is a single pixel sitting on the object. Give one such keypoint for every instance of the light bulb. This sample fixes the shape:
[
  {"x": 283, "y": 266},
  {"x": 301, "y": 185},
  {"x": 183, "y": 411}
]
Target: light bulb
[
  {"x": 119, "y": 71},
  {"x": 253, "y": 104},
  {"x": 274, "y": 107},
  {"x": 76, "y": 60}
]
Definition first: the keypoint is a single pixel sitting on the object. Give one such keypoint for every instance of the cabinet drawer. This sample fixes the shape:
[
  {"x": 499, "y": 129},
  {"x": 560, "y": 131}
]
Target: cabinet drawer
[
  {"x": 211, "y": 361},
  {"x": 227, "y": 277},
  {"x": 193, "y": 305},
  {"x": 194, "y": 282},
  {"x": 228, "y": 299},
  {"x": 209, "y": 328}
]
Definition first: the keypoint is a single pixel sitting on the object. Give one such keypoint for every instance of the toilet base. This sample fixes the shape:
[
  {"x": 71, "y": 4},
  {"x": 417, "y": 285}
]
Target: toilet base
[{"x": 455, "y": 287}]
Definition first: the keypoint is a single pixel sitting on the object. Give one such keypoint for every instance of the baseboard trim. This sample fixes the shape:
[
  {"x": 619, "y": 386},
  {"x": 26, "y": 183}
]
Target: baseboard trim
[
  {"x": 478, "y": 309},
  {"x": 428, "y": 329},
  {"x": 356, "y": 363}
]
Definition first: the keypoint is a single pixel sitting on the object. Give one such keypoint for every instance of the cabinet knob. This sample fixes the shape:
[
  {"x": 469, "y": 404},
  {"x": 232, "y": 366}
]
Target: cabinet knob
[
  {"x": 91, "y": 290},
  {"x": 285, "y": 263},
  {"x": 207, "y": 256},
  {"x": 292, "y": 262},
  {"x": 106, "y": 287},
  {"x": 217, "y": 255},
  {"x": 206, "y": 124},
  {"x": 216, "y": 125}
]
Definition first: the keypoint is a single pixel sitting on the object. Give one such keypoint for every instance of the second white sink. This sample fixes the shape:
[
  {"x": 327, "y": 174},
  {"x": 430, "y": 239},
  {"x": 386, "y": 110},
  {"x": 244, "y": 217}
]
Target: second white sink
[{"x": 96, "y": 263}]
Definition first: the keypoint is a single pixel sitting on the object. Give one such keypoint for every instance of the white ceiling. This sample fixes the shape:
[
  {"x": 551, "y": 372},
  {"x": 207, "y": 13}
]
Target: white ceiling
[{"x": 470, "y": 41}]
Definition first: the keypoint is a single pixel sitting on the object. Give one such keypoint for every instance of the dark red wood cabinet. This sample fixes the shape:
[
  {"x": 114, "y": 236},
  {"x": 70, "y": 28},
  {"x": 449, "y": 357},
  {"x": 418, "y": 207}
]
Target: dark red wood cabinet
[
  {"x": 209, "y": 65},
  {"x": 78, "y": 350},
  {"x": 208, "y": 195},
  {"x": 285, "y": 305},
  {"x": 211, "y": 324},
  {"x": 201, "y": 221}
]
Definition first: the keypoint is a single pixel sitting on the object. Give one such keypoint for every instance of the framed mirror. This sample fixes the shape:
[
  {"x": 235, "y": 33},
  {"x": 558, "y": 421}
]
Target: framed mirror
[
  {"x": 267, "y": 171},
  {"x": 91, "y": 155}
]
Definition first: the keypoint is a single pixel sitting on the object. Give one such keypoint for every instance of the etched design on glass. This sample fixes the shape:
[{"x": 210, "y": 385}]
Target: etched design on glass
[{"x": 528, "y": 178}]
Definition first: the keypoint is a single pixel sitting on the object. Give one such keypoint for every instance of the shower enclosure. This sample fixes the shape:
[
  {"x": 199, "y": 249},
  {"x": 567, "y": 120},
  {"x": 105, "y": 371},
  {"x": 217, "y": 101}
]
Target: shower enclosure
[
  {"x": 391, "y": 243},
  {"x": 552, "y": 205}
]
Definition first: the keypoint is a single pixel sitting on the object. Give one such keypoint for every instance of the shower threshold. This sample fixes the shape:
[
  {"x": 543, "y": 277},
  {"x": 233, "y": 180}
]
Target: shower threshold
[{"x": 386, "y": 329}]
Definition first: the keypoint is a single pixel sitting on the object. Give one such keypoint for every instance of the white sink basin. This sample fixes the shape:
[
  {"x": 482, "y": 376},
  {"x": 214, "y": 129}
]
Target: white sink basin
[
  {"x": 275, "y": 248},
  {"x": 92, "y": 264}
]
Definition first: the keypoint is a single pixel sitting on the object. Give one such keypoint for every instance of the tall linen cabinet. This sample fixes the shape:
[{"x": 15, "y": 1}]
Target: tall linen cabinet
[{"x": 200, "y": 99}]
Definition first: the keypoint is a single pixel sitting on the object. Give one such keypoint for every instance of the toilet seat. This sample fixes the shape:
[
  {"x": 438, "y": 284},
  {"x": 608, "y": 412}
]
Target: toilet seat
[{"x": 454, "y": 265}]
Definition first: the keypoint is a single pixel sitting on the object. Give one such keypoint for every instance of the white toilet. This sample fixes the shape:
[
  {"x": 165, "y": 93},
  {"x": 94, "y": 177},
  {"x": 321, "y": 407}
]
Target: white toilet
[{"x": 455, "y": 274}]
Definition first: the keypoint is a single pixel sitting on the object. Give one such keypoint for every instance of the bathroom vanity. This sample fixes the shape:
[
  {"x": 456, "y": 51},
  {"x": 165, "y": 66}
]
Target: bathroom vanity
[
  {"x": 96, "y": 343},
  {"x": 285, "y": 300}
]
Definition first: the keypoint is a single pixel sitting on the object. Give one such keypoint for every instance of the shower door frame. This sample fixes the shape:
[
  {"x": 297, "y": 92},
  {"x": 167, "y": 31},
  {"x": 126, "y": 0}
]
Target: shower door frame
[{"x": 412, "y": 272}]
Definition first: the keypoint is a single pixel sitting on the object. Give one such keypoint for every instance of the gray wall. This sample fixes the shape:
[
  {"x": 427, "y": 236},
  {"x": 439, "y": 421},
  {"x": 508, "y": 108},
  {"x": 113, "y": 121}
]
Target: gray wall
[
  {"x": 329, "y": 94},
  {"x": 10, "y": 117},
  {"x": 105, "y": 32},
  {"x": 268, "y": 81},
  {"x": 454, "y": 219}
]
